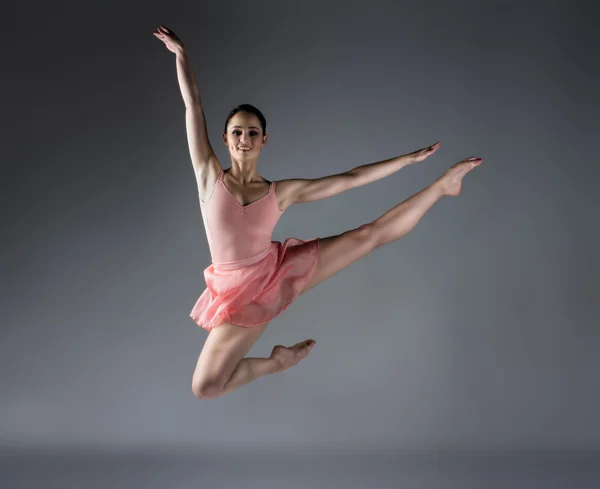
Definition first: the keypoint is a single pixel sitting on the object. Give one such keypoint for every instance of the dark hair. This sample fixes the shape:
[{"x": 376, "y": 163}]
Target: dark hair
[{"x": 250, "y": 109}]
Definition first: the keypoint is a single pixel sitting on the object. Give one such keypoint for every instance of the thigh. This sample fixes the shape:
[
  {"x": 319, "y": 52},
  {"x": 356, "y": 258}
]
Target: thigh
[
  {"x": 223, "y": 349},
  {"x": 338, "y": 252}
]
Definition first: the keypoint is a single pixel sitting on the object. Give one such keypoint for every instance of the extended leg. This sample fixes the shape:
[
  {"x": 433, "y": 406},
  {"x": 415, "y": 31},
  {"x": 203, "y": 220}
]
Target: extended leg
[{"x": 338, "y": 252}]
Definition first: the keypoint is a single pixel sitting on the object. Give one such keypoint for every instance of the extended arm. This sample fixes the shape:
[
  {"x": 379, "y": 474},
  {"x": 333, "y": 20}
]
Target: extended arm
[
  {"x": 186, "y": 78},
  {"x": 202, "y": 154},
  {"x": 201, "y": 150},
  {"x": 299, "y": 190}
]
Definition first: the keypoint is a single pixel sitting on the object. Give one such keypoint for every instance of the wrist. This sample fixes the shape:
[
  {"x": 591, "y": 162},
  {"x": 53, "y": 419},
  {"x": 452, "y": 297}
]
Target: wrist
[{"x": 408, "y": 159}]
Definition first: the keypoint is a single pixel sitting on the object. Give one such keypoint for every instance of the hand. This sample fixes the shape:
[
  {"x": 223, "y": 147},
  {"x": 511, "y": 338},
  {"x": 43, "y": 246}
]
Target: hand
[
  {"x": 167, "y": 36},
  {"x": 423, "y": 153}
]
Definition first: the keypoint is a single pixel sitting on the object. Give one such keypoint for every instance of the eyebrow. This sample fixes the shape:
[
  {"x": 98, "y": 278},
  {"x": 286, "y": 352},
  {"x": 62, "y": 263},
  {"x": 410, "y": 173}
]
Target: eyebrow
[{"x": 240, "y": 127}]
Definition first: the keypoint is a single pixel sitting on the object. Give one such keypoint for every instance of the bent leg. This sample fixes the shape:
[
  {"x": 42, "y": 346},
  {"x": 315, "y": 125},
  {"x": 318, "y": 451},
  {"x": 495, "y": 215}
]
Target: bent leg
[
  {"x": 282, "y": 358},
  {"x": 221, "y": 367},
  {"x": 224, "y": 348}
]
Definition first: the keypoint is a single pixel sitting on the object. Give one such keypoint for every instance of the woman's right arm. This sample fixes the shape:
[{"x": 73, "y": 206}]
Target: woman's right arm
[
  {"x": 201, "y": 151},
  {"x": 205, "y": 163}
]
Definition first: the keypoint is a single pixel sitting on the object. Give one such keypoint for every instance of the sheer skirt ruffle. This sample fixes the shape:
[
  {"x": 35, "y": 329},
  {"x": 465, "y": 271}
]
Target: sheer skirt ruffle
[{"x": 254, "y": 294}]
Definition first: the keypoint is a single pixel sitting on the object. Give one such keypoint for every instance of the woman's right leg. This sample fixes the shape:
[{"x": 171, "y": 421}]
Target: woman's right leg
[
  {"x": 222, "y": 367},
  {"x": 224, "y": 348}
]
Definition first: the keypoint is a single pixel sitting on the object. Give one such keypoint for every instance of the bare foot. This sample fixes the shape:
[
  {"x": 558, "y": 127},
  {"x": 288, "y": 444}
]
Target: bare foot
[
  {"x": 288, "y": 356},
  {"x": 451, "y": 181}
]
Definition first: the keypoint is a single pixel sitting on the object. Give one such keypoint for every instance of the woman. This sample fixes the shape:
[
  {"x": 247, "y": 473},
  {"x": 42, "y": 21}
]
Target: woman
[{"x": 251, "y": 278}]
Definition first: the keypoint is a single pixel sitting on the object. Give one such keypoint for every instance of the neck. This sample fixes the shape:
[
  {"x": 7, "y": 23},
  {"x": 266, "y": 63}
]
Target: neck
[{"x": 244, "y": 171}]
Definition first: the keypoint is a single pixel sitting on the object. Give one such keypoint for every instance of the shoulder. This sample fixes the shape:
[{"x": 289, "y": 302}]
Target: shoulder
[{"x": 286, "y": 191}]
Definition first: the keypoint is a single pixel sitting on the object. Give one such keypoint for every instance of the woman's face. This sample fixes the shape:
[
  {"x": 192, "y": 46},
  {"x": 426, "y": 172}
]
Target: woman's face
[{"x": 244, "y": 137}]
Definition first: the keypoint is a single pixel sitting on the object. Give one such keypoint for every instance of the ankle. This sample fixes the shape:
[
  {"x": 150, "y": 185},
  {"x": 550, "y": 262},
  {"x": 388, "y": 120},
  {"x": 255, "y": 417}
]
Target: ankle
[
  {"x": 439, "y": 187},
  {"x": 275, "y": 365}
]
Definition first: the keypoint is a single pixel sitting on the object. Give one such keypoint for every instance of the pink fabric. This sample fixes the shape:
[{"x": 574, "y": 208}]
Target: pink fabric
[{"x": 251, "y": 279}]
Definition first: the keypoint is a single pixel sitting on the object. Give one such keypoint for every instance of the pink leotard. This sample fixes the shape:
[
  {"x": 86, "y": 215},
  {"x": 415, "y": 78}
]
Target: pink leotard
[{"x": 238, "y": 235}]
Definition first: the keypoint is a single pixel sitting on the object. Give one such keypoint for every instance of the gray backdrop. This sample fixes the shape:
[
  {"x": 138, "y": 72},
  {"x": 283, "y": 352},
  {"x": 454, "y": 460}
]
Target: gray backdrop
[{"x": 477, "y": 330}]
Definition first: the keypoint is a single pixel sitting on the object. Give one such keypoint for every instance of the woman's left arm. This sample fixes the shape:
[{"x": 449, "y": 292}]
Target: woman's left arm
[{"x": 298, "y": 190}]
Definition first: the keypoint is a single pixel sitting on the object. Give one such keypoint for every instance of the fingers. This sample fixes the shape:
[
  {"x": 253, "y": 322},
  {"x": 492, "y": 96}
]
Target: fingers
[
  {"x": 433, "y": 148},
  {"x": 162, "y": 31},
  {"x": 425, "y": 152},
  {"x": 161, "y": 37},
  {"x": 430, "y": 149}
]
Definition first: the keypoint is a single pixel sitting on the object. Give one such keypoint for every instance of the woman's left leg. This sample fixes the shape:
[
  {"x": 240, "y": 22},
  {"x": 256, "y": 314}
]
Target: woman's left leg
[{"x": 338, "y": 252}]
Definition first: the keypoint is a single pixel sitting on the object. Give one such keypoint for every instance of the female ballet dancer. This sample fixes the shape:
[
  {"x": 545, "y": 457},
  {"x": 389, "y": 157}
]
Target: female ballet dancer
[{"x": 251, "y": 278}]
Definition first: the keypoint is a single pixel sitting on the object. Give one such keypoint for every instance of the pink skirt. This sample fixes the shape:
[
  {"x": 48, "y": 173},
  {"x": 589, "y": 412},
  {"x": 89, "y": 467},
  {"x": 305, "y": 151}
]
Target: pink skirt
[{"x": 253, "y": 291}]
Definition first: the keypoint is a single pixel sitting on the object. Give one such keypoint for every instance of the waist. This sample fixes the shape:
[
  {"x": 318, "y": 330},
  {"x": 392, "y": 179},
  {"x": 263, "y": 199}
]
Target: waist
[{"x": 244, "y": 262}]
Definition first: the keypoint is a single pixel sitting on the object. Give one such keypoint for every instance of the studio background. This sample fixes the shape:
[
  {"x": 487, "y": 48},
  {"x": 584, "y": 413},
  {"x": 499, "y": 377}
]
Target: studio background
[{"x": 478, "y": 330}]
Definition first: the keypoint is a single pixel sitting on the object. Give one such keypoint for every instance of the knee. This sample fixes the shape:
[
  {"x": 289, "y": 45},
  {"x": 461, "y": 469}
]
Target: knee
[{"x": 207, "y": 388}]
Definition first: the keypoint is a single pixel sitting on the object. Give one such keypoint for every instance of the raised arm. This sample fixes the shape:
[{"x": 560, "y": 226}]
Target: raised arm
[
  {"x": 205, "y": 163},
  {"x": 297, "y": 190}
]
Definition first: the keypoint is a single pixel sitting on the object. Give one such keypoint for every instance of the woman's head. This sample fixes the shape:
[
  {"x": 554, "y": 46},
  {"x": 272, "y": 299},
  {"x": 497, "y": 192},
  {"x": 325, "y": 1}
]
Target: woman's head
[
  {"x": 249, "y": 109},
  {"x": 245, "y": 131}
]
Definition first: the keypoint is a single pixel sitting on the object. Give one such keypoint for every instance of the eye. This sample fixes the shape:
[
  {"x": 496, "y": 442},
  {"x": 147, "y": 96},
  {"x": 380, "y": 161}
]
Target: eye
[
  {"x": 253, "y": 133},
  {"x": 236, "y": 132}
]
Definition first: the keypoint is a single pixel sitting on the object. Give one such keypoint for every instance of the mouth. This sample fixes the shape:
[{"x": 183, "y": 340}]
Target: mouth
[{"x": 244, "y": 149}]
